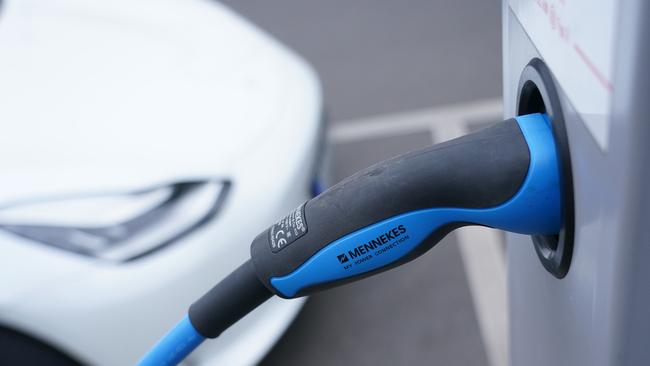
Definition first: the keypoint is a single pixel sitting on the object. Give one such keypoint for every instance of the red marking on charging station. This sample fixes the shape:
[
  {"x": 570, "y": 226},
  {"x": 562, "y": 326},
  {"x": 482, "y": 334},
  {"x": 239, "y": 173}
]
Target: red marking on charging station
[
  {"x": 555, "y": 22},
  {"x": 592, "y": 67}
]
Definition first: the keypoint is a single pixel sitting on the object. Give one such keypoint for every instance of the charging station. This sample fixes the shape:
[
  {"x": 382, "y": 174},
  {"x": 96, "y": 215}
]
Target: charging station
[{"x": 582, "y": 297}]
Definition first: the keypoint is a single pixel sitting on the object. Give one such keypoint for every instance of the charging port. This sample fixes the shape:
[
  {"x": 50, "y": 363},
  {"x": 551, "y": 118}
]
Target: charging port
[{"x": 537, "y": 94}]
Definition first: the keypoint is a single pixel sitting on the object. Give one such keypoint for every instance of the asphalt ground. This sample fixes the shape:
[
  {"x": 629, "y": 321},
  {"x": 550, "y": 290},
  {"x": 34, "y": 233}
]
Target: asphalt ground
[{"x": 376, "y": 59}]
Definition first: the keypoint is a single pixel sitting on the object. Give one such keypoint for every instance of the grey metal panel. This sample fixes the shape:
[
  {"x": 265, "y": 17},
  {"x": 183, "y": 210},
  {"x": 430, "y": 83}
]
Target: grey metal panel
[
  {"x": 599, "y": 314},
  {"x": 631, "y": 131}
]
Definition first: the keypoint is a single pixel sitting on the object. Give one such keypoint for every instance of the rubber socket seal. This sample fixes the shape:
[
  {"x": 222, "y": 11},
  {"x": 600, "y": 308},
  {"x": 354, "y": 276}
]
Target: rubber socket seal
[{"x": 537, "y": 94}]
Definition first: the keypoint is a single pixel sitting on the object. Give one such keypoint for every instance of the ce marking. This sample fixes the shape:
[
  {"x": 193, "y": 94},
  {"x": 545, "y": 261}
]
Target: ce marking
[{"x": 281, "y": 241}]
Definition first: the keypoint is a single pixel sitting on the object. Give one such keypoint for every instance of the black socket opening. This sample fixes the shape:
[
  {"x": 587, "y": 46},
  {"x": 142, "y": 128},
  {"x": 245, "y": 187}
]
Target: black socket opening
[{"x": 537, "y": 94}]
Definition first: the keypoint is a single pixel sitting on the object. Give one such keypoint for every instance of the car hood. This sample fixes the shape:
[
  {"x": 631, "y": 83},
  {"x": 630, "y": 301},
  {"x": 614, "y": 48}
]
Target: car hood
[{"x": 118, "y": 94}]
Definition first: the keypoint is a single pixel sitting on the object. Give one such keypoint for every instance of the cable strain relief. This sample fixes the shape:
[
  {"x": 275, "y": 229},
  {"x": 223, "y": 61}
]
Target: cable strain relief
[{"x": 227, "y": 302}]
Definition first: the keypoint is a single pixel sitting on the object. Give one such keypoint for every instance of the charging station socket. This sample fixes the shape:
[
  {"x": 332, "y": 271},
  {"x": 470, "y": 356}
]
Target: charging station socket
[{"x": 537, "y": 94}]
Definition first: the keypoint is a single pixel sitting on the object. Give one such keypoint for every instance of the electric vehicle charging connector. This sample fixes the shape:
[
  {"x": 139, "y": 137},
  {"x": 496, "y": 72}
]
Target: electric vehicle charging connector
[{"x": 506, "y": 176}]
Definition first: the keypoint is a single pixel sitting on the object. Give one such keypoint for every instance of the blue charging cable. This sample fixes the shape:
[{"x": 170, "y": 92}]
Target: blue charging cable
[{"x": 179, "y": 342}]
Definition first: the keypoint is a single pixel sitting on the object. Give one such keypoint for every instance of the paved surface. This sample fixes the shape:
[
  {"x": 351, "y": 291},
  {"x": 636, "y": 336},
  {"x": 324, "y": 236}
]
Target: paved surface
[{"x": 376, "y": 58}]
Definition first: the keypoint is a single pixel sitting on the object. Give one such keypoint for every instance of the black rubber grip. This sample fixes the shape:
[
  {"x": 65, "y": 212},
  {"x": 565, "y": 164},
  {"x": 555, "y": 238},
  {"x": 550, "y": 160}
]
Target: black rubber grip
[
  {"x": 479, "y": 170},
  {"x": 227, "y": 302}
]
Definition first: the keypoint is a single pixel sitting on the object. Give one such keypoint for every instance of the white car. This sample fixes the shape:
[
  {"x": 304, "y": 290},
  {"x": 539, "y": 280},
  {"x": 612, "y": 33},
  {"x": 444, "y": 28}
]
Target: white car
[{"x": 143, "y": 145}]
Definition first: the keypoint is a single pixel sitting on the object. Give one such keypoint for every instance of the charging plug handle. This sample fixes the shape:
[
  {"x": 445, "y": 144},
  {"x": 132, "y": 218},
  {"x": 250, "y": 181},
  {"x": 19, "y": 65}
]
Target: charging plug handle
[{"x": 342, "y": 234}]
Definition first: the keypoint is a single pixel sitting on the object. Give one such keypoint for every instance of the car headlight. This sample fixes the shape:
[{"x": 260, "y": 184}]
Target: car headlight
[{"x": 117, "y": 226}]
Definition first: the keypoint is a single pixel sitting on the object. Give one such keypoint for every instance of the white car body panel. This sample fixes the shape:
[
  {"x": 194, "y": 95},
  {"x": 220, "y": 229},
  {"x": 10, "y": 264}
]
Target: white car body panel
[{"x": 108, "y": 95}]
